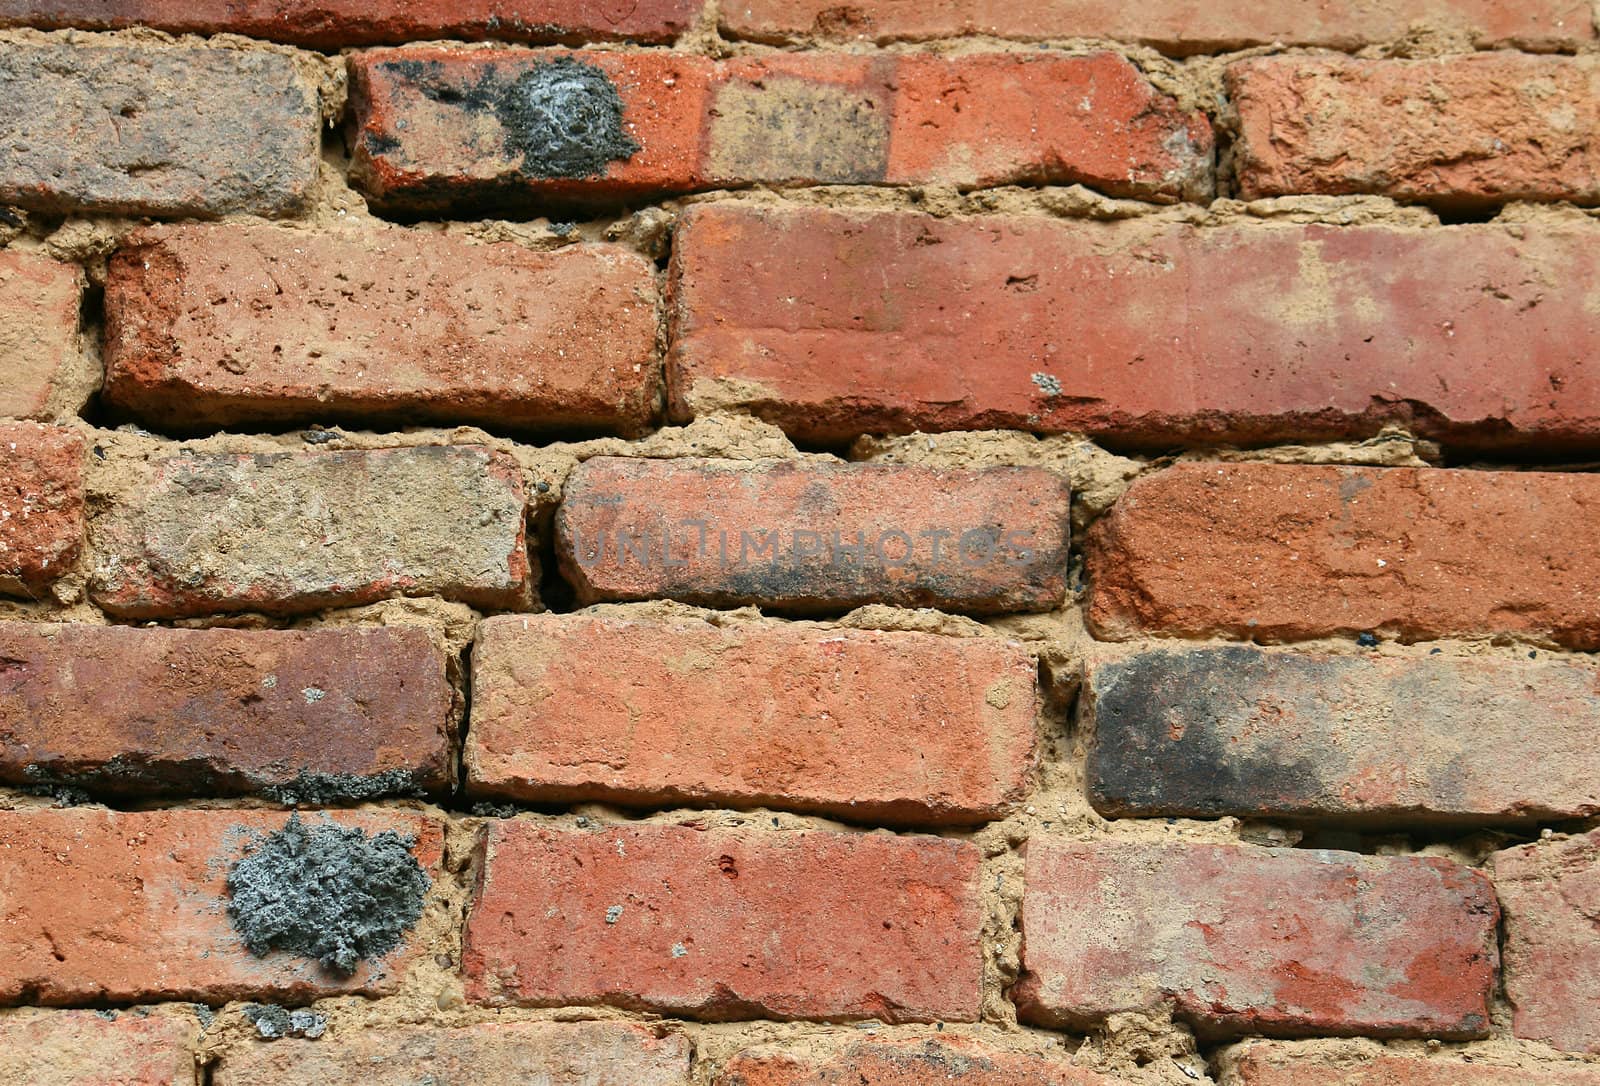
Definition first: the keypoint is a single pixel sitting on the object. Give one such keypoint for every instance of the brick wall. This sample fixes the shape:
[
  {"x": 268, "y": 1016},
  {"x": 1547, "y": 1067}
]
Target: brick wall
[{"x": 785, "y": 543}]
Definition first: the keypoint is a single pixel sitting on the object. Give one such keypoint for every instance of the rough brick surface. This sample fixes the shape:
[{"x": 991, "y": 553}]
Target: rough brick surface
[
  {"x": 1238, "y": 731},
  {"x": 727, "y": 924},
  {"x": 212, "y": 326},
  {"x": 1457, "y": 130},
  {"x": 961, "y": 1061},
  {"x": 155, "y": 130},
  {"x": 1551, "y": 894},
  {"x": 488, "y": 1054},
  {"x": 328, "y": 24},
  {"x": 291, "y": 532},
  {"x": 1362, "y": 1063},
  {"x": 122, "y": 906},
  {"x": 88, "y": 1048},
  {"x": 43, "y": 371},
  {"x": 1248, "y": 940},
  {"x": 814, "y": 536},
  {"x": 836, "y": 323},
  {"x": 1174, "y": 26},
  {"x": 340, "y": 713},
  {"x": 444, "y": 127},
  {"x": 41, "y": 505},
  {"x": 882, "y": 727},
  {"x": 1274, "y": 551}
]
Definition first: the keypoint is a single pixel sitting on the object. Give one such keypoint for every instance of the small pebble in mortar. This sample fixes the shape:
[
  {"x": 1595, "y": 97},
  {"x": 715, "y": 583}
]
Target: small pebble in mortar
[
  {"x": 326, "y": 892},
  {"x": 274, "y": 1022}
]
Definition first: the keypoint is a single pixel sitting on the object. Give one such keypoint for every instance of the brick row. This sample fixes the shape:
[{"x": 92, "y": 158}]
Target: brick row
[
  {"x": 167, "y": 131},
  {"x": 440, "y": 128},
  {"x": 316, "y": 714},
  {"x": 814, "y": 536},
  {"x": 43, "y": 372},
  {"x": 558, "y": 1054},
  {"x": 1208, "y": 732},
  {"x": 1239, "y": 940},
  {"x": 1281, "y": 552},
  {"x": 1173, "y": 26},
  {"x": 726, "y": 924},
  {"x": 881, "y": 727},
  {"x": 119, "y": 906},
  {"x": 836, "y": 323},
  {"x": 329, "y": 24},
  {"x": 215, "y": 326}
]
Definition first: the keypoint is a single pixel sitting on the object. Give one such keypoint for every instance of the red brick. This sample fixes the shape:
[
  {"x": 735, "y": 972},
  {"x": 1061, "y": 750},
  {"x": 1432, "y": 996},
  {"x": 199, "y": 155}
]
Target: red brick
[
  {"x": 120, "y": 906},
  {"x": 212, "y": 326},
  {"x": 1237, "y": 731},
  {"x": 41, "y": 505},
  {"x": 1250, "y": 940},
  {"x": 291, "y": 532},
  {"x": 98, "y": 1048},
  {"x": 488, "y": 1054},
  {"x": 1280, "y": 552},
  {"x": 329, "y": 24},
  {"x": 959, "y": 1060},
  {"x": 154, "y": 129},
  {"x": 43, "y": 371},
  {"x": 443, "y": 127},
  {"x": 900, "y": 728},
  {"x": 836, "y": 323},
  {"x": 1551, "y": 895},
  {"x": 328, "y": 714},
  {"x": 1362, "y": 1063},
  {"x": 1453, "y": 130},
  {"x": 1173, "y": 26},
  {"x": 727, "y": 924},
  {"x": 982, "y": 541}
]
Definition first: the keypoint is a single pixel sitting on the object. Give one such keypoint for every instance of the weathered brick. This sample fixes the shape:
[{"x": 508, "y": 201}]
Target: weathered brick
[
  {"x": 316, "y": 714},
  {"x": 155, "y": 130},
  {"x": 1251, "y": 940},
  {"x": 959, "y": 1060},
  {"x": 211, "y": 326},
  {"x": 98, "y": 1048},
  {"x": 43, "y": 371},
  {"x": 1279, "y": 552},
  {"x": 292, "y": 532},
  {"x": 1238, "y": 731},
  {"x": 1455, "y": 130},
  {"x": 1173, "y": 26},
  {"x": 814, "y": 536},
  {"x": 486, "y": 1054},
  {"x": 41, "y": 505},
  {"x": 329, "y": 24},
  {"x": 1551, "y": 895},
  {"x": 833, "y": 324},
  {"x": 443, "y": 127},
  {"x": 1363, "y": 1063},
  {"x": 883, "y": 727},
  {"x": 727, "y": 924},
  {"x": 120, "y": 906}
]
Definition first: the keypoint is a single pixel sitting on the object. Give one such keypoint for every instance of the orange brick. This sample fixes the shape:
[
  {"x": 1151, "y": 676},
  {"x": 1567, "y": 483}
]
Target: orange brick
[
  {"x": 324, "y": 714},
  {"x": 1363, "y": 1063},
  {"x": 214, "y": 326},
  {"x": 727, "y": 924},
  {"x": 124, "y": 906},
  {"x": 41, "y": 505},
  {"x": 814, "y": 536},
  {"x": 443, "y": 127},
  {"x": 882, "y": 727},
  {"x": 1284, "y": 552},
  {"x": 1251, "y": 940},
  {"x": 962, "y": 1061},
  {"x": 98, "y": 1048},
  {"x": 1454, "y": 130}
]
